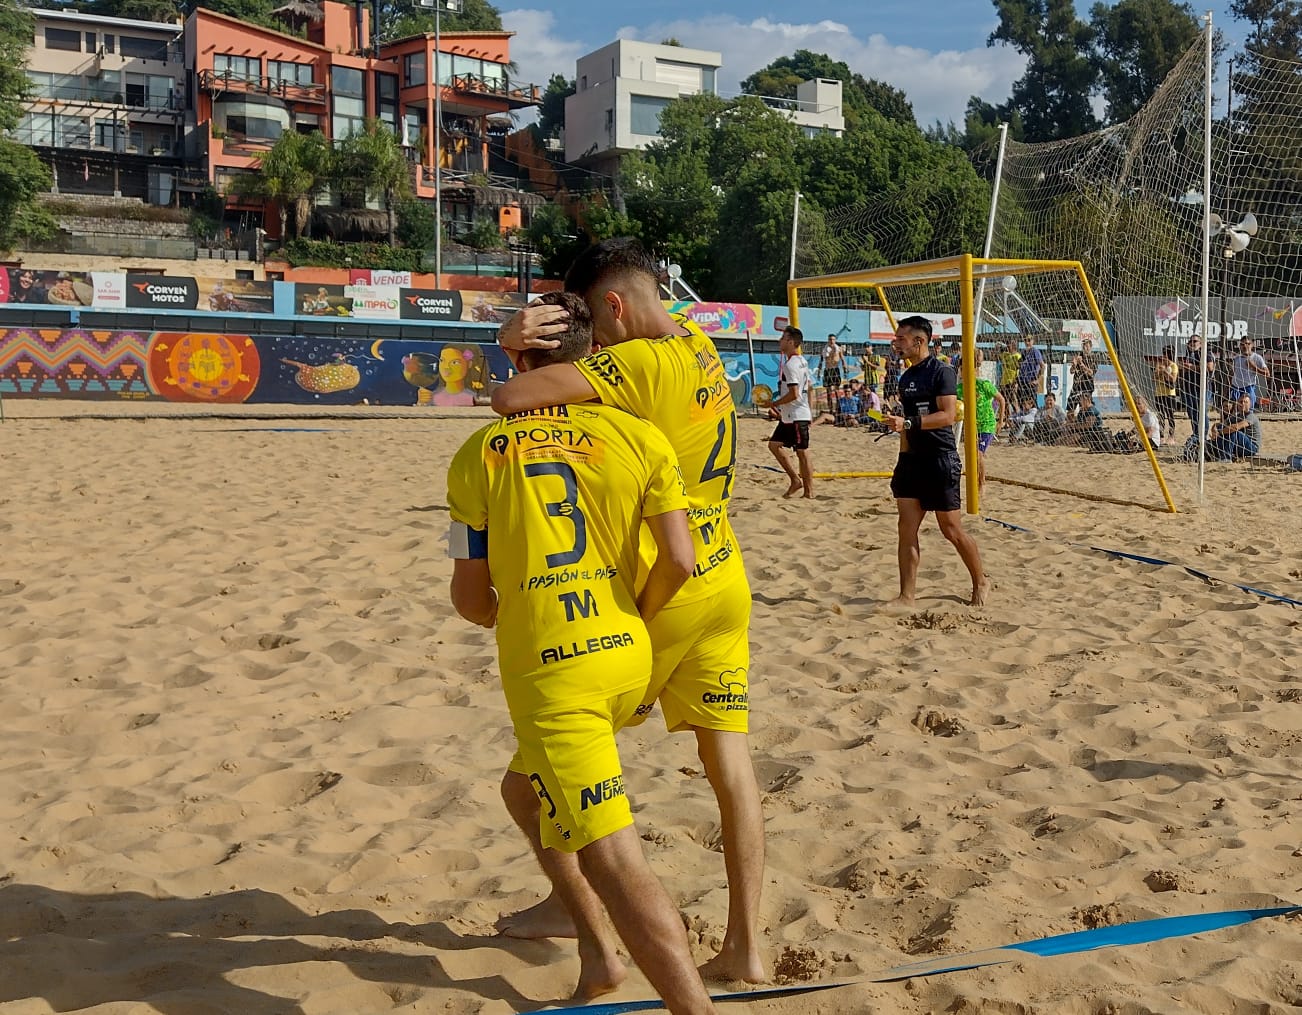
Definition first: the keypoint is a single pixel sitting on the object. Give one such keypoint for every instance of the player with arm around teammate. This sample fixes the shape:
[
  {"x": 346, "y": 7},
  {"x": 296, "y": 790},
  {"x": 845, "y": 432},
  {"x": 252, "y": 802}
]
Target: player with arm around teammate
[
  {"x": 664, "y": 369},
  {"x": 929, "y": 471},
  {"x": 547, "y": 507}
]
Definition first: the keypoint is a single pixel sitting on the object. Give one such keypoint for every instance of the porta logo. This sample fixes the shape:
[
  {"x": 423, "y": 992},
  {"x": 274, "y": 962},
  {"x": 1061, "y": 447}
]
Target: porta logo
[
  {"x": 500, "y": 443},
  {"x": 735, "y": 697}
]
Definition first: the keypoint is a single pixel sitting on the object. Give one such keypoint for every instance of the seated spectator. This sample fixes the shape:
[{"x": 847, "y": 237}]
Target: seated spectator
[
  {"x": 1085, "y": 426},
  {"x": 1238, "y": 433},
  {"x": 847, "y": 407},
  {"x": 1127, "y": 442},
  {"x": 1050, "y": 423},
  {"x": 1022, "y": 422}
]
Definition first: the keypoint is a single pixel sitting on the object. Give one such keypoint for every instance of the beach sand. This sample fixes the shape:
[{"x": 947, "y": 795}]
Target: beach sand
[{"x": 253, "y": 755}]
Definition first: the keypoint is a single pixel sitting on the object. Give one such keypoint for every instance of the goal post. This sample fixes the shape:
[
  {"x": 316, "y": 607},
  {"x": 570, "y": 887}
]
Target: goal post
[{"x": 940, "y": 276}]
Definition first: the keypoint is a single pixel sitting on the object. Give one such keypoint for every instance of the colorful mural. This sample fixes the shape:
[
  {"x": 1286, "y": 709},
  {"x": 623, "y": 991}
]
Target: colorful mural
[{"x": 217, "y": 369}]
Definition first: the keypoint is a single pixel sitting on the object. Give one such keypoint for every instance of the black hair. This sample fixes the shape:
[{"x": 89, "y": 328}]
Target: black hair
[
  {"x": 795, "y": 334},
  {"x": 916, "y": 323},
  {"x": 576, "y": 342},
  {"x": 601, "y": 262}
]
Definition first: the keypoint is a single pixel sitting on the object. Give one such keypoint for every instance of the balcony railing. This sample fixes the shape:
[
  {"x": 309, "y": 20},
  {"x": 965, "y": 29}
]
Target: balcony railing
[
  {"x": 497, "y": 88},
  {"x": 132, "y": 99},
  {"x": 80, "y": 141},
  {"x": 293, "y": 91}
]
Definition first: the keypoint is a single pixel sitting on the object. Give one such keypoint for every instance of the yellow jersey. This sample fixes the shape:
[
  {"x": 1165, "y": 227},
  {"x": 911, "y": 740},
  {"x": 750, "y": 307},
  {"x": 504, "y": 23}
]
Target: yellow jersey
[
  {"x": 678, "y": 383},
  {"x": 561, "y": 493}
]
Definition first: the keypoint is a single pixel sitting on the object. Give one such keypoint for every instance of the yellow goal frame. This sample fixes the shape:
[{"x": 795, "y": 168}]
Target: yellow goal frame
[{"x": 967, "y": 271}]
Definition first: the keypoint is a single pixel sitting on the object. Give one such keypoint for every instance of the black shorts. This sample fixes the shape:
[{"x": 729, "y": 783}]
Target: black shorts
[
  {"x": 832, "y": 378},
  {"x": 792, "y": 435},
  {"x": 932, "y": 481}
]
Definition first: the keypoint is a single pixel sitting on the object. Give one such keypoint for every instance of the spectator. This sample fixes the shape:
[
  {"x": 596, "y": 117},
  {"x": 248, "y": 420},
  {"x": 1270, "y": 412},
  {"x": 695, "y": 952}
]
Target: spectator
[
  {"x": 1030, "y": 370},
  {"x": 1051, "y": 423},
  {"x": 991, "y": 410},
  {"x": 1084, "y": 365},
  {"x": 831, "y": 372},
  {"x": 847, "y": 408},
  {"x": 891, "y": 376},
  {"x": 1248, "y": 368},
  {"x": 1189, "y": 378},
  {"x": 1085, "y": 426},
  {"x": 1128, "y": 442},
  {"x": 871, "y": 365},
  {"x": 1023, "y": 421},
  {"x": 1238, "y": 434},
  {"x": 1009, "y": 362},
  {"x": 1165, "y": 379}
]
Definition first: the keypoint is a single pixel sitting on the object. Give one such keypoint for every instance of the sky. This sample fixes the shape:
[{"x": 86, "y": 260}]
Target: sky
[{"x": 933, "y": 50}]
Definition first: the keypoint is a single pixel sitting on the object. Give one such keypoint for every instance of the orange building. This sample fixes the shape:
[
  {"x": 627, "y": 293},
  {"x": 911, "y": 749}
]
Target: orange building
[{"x": 249, "y": 84}]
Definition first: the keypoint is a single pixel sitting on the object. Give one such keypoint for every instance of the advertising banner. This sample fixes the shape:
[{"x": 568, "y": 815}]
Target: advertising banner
[
  {"x": 161, "y": 292},
  {"x": 379, "y": 276},
  {"x": 45, "y": 288},
  {"x": 321, "y": 300},
  {"x": 718, "y": 318},
  {"x": 236, "y": 296},
  {"x": 110, "y": 290},
  {"x": 374, "y": 302},
  {"x": 430, "y": 305}
]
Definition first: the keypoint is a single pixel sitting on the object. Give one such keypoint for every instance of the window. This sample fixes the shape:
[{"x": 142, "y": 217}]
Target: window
[
  {"x": 250, "y": 125},
  {"x": 90, "y": 42},
  {"x": 386, "y": 100},
  {"x": 413, "y": 69},
  {"x": 61, "y": 38},
  {"x": 495, "y": 74},
  {"x": 244, "y": 274},
  {"x": 142, "y": 49},
  {"x": 707, "y": 80},
  {"x": 644, "y": 113},
  {"x": 289, "y": 73},
  {"x": 136, "y": 141},
  {"x": 583, "y": 83},
  {"x": 110, "y": 134},
  {"x": 349, "y": 81},
  {"x": 412, "y": 124},
  {"x": 73, "y": 132},
  {"x": 109, "y": 42},
  {"x": 349, "y": 117},
  {"x": 137, "y": 90},
  {"x": 237, "y": 68},
  {"x": 36, "y": 129}
]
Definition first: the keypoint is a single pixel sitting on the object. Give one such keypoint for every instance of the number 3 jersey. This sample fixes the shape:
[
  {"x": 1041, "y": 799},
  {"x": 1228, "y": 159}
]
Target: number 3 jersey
[
  {"x": 678, "y": 383},
  {"x": 555, "y": 497}
]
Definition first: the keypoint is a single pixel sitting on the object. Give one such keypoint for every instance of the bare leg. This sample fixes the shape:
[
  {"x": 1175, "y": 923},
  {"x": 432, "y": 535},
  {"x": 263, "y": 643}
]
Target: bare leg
[
  {"x": 951, "y": 527},
  {"x": 783, "y": 461},
  {"x": 981, "y": 472},
  {"x": 909, "y": 550},
  {"x": 806, "y": 472},
  {"x": 726, "y": 756},
  {"x": 573, "y": 908},
  {"x": 646, "y": 919}
]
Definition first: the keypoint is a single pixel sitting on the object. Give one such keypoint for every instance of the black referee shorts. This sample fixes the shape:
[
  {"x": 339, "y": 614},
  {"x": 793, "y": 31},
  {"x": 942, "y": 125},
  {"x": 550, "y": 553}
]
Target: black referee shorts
[
  {"x": 933, "y": 481},
  {"x": 792, "y": 435}
]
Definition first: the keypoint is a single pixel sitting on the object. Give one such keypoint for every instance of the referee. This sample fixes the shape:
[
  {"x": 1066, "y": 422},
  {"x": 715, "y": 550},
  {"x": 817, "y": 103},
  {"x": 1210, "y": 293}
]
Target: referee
[{"x": 929, "y": 470}]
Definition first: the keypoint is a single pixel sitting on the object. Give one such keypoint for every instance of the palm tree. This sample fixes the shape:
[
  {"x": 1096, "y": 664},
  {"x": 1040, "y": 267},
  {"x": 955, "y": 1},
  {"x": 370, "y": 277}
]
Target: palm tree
[
  {"x": 295, "y": 169},
  {"x": 372, "y": 164}
]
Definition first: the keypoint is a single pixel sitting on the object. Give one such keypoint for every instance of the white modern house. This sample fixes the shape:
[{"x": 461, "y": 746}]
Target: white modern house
[
  {"x": 816, "y": 109},
  {"x": 621, "y": 90}
]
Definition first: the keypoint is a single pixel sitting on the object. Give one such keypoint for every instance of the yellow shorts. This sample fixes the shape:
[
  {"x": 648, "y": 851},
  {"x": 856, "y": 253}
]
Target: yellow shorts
[
  {"x": 570, "y": 758},
  {"x": 701, "y": 658}
]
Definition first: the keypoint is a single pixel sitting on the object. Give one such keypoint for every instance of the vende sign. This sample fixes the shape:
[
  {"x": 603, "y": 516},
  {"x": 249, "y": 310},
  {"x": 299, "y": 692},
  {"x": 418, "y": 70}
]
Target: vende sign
[
  {"x": 431, "y": 305},
  {"x": 161, "y": 292},
  {"x": 374, "y": 302},
  {"x": 378, "y": 277},
  {"x": 109, "y": 290}
]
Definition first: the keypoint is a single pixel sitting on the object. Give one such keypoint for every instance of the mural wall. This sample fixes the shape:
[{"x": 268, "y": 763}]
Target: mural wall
[{"x": 226, "y": 369}]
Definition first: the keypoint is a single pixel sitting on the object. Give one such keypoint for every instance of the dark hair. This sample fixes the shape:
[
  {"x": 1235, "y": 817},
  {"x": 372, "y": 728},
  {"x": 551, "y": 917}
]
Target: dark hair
[
  {"x": 795, "y": 334},
  {"x": 917, "y": 323},
  {"x": 575, "y": 343},
  {"x": 601, "y": 262}
]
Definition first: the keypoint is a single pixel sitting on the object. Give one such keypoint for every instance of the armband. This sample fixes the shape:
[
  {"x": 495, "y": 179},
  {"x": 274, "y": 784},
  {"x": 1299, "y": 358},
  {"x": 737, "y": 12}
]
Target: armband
[{"x": 465, "y": 543}]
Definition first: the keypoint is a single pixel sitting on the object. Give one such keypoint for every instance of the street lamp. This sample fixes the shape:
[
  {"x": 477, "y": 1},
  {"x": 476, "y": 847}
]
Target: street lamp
[{"x": 452, "y": 7}]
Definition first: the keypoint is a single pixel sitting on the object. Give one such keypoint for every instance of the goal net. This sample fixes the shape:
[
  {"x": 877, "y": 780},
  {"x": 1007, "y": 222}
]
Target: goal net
[{"x": 1031, "y": 310}]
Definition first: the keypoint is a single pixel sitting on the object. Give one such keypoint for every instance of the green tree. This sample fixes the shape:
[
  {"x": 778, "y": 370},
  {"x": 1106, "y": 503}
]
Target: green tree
[
  {"x": 858, "y": 94},
  {"x": 555, "y": 237},
  {"x": 372, "y": 165},
  {"x": 22, "y": 177},
  {"x": 295, "y": 169},
  {"x": 1137, "y": 43},
  {"x": 142, "y": 10},
  {"x": 401, "y": 18},
  {"x": 551, "y": 113},
  {"x": 417, "y": 226},
  {"x": 16, "y": 32},
  {"x": 1054, "y": 94},
  {"x": 256, "y": 12}
]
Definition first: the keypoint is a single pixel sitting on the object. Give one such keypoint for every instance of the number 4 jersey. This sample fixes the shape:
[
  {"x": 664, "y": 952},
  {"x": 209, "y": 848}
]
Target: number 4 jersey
[
  {"x": 558, "y": 496},
  {"x": 678, "y": 383}
]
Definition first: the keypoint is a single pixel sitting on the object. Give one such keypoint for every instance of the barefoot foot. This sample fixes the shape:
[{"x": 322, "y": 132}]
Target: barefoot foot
[
  {"x": 744, "y": 968},
  {"x": 979, "y": 592},
  {"x": 792, "y": 490},
  {"x": 546, "y": 919},
  {"x": 599, "y": 977}
]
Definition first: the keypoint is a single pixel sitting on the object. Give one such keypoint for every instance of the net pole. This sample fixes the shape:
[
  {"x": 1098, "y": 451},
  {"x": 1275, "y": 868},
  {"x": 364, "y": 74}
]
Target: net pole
[
  {"x": 793, "y": 304},
  {"x": 1297, "y": 366},
  {"x": 1125, "y": 388},
  {"x": 886, "y": 306},
  {"x": 750, "y": 351},
  {"x": 1207, "y": 258},
  {"x": 965, "y": 297},
  {"x": 795, "y": 229},
  {"x": 990, "y": 222}
]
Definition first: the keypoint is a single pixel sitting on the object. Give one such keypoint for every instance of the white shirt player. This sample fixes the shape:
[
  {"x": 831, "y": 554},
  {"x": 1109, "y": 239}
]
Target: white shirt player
[{"x": 795, "y": 371}]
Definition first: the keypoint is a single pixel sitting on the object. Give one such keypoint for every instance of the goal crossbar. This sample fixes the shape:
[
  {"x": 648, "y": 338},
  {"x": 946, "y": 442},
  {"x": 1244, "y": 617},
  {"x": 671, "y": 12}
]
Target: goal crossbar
[{"x": 966, "y": 270}]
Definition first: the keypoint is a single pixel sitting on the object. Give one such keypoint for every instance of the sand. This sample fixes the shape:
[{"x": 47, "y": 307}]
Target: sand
[{"x": 252, "y": 755}]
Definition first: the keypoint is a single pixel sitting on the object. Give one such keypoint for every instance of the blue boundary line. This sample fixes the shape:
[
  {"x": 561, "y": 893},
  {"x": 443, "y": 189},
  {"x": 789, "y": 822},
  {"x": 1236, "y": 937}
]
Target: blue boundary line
[
  {"x": 1141, "y": 559},
  {"x": 1134, "y": 933}
]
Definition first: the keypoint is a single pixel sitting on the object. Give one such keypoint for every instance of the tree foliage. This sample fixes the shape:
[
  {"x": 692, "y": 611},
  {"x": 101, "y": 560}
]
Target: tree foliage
[
  {"x": 371, "y": 164},
  {"x": 858, "y": 94},
  {"x": 1053, "y": 95},
  {"x": 295, "y": 169},
  {"x": 16, "y": 28},
  {"x": 1136, "y": 44},
  {"x": 551, "y": 113},
  {"x": 401, "y": 18},
  {"x": 22, "y": 177}
]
